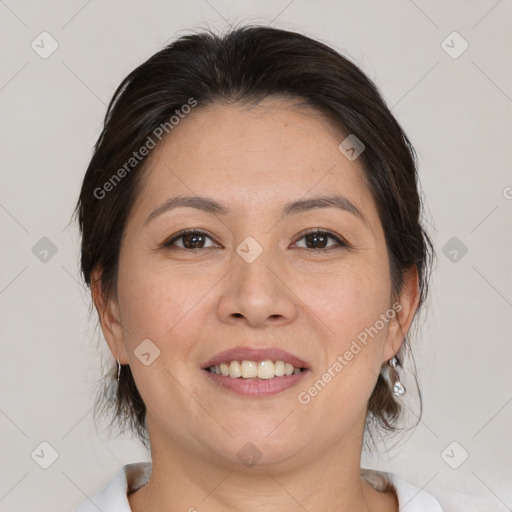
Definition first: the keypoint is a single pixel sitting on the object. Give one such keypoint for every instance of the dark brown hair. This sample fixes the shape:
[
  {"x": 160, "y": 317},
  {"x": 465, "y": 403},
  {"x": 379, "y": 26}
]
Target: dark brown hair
[{"x": 246, "y": 65}]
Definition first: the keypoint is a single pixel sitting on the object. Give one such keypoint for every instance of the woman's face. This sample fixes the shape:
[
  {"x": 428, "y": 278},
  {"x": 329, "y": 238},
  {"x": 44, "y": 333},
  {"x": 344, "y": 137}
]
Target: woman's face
[{"x": 254, "y": 279}]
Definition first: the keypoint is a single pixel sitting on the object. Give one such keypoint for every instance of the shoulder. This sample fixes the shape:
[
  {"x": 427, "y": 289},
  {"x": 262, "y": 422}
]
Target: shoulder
[
  {"x": 416, "y": 499},
  {"x": 113, "y": 496}
]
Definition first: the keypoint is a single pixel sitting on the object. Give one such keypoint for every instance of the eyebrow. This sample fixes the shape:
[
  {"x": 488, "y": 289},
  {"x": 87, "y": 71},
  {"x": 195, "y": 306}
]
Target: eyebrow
[{"x": 211, "y": 206}]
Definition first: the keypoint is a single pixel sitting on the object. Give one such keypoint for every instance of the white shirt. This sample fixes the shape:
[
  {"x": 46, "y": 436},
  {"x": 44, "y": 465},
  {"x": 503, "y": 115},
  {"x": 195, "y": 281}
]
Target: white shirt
[{"x": 113, "y": 497}]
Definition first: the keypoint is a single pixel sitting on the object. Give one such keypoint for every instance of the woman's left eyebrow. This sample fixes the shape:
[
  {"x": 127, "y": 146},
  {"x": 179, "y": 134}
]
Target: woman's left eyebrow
[
  {"x": 209, "y": 205},
  {"x": 336, "y": 201}
]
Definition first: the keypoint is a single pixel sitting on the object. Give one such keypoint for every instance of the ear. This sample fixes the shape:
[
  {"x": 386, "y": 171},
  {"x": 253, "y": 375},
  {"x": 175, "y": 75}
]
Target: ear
[
  {"x": 405, "y": 308},
  {"x": 108, "y": 313}
]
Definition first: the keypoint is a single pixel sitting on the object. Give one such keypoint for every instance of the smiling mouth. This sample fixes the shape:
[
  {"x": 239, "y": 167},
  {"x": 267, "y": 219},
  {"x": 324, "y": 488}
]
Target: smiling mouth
[{"x": 263, "y": 370}]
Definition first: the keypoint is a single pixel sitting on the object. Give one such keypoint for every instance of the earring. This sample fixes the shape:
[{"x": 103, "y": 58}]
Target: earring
[
  {"x": 112, "y": 385},
  {"x": 393, "y": 377}
]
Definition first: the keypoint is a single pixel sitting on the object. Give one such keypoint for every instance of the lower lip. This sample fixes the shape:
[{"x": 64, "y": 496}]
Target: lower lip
[{"x": 256, "y": 387}]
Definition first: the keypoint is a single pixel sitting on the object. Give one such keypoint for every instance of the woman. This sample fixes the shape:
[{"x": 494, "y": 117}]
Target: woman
[{"x": 251, "y": 236}]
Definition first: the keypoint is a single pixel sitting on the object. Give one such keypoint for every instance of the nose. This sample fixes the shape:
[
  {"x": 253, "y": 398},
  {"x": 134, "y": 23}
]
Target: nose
[{"x": 257, "y": 294}]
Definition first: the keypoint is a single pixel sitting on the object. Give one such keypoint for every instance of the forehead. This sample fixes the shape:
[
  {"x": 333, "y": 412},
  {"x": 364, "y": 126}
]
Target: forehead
[{"x": 249, "y": 156}]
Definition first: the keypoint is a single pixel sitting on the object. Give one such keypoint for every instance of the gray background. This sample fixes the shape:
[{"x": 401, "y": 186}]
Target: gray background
[{"x": 456, "y": 110}]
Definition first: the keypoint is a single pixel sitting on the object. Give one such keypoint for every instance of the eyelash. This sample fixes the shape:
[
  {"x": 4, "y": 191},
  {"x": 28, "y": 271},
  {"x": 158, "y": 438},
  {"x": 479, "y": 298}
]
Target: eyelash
[{"x": 340, "y": 241}]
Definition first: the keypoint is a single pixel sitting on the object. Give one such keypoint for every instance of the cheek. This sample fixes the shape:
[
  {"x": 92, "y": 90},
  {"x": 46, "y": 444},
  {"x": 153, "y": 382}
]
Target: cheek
[
  {"x": 351, "y": 304},
  {"x": 163, "y": 304},
  {"x": 351, "y": 300},
  {"x": 151, "y": 301},
  {"x": 163, "y": 307},
  {"x": 351, "y": 308}
]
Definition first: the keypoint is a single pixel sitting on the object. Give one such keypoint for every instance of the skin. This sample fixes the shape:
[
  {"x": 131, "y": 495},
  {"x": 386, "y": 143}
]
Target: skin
[{"x": 194, "y": 303}]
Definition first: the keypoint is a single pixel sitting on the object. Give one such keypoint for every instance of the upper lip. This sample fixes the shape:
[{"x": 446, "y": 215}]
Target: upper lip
[{"x": 256, "y": 355}]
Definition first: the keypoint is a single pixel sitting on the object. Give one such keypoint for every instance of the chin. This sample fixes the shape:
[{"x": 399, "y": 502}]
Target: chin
[{"x": 255, "y": 449}]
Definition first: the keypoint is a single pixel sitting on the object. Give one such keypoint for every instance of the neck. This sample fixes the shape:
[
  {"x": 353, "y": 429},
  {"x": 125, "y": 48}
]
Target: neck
[{"x": 328, "y": 481}]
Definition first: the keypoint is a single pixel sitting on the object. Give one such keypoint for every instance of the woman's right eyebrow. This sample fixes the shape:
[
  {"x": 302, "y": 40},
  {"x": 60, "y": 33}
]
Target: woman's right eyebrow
[
  {"x": 212, "y": 206},
  {"x": 205, "y": 204}
]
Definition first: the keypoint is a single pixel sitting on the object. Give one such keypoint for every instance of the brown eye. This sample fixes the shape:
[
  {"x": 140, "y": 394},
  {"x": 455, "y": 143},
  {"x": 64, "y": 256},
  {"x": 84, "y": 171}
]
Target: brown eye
[
  {"x": 191, "y": 239},
  {"x": 319, "y": 240}
]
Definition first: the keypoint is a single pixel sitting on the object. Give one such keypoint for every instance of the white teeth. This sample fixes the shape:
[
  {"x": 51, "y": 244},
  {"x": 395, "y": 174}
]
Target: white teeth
[
  {"x": 235, "y": 370},
  {"x": 280, "y": 368},
  {"x": 266, "y": 370},
  {"x": 251, "y": 369}
]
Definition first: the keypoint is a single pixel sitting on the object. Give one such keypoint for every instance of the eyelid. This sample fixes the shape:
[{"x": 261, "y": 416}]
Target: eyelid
[
  {"x": 169, "y": 241},
  {"x": 340, "y": 241}
]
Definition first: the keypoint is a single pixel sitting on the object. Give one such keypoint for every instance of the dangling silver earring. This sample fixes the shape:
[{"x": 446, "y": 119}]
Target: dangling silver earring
[
  {"x": 112, "y": 385},
  {"x": 393, "y": 377}
]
